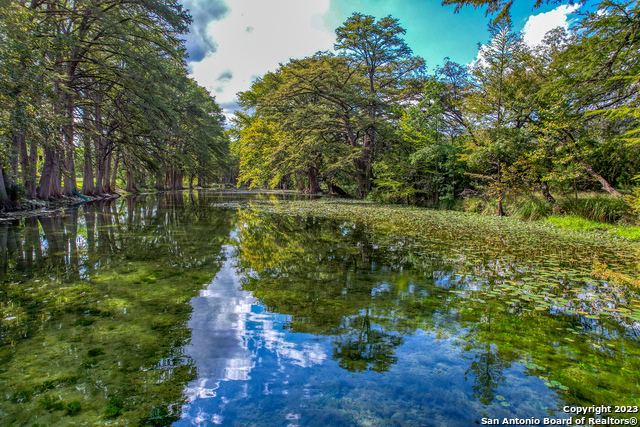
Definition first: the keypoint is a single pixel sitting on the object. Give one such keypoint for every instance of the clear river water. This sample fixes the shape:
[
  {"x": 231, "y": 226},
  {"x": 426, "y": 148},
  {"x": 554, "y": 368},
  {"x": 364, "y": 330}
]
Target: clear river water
[{"x": 196, "y": 309}]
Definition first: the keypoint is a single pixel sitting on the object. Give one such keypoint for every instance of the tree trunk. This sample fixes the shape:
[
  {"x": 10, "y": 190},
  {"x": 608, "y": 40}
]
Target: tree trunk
[
  {"x": 14, "y": 163},
  {"x": 313, "y": 187},
  {"x": 143, "y": 178},
  {"x": 334, "y": 189},
  {"x": 605, "y": 184},
  {"x": 99, "y": 191},
  {"x": 300, "y": 183},
  {"x": 56, "y": 181},
  {"x": 544, "y": 185},
  {"x": 70, "y": 184},
  {"x": 159, "y": 181},
  {"x": 106, "y": 179},
  {"x": 33, "y": 171},
  {"x": 49, "y": 187},
  {"x": 44, "y": 188},
  {"x": 87, "y": 173},
  {"x": 361, "y": 179},
  {"x": 176, "y": 180},
  {"x": 500, "y": 211},
  {"x": 7, "y": 204},
  {"x": 114, "y": 175},
  {"x": 28, "y": 163},
  {"x": 131, "y": 185},
  {"x": 101, "y": 149}
]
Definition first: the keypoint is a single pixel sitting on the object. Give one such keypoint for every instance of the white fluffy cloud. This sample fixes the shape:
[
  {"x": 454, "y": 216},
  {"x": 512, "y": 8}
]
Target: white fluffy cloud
[
  {"x": 538, "y": 25},
  {"x": 254, "y": 37}
]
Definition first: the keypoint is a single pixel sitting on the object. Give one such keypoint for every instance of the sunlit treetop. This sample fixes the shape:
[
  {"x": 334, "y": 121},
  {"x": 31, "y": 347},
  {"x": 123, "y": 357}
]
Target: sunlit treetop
[{"x": 501, "y": 7}]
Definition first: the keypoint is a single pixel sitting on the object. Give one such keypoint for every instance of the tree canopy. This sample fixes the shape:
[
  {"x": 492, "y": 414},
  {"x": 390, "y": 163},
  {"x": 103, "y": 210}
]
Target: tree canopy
[
  {"x": 101, "y": 86},
  {"x": 367, "y": 121}
]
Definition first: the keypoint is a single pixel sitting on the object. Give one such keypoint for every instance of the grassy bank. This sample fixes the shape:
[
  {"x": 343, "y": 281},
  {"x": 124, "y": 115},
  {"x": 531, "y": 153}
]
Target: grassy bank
[
  {"x": 574, "y": 223},
  {"x": 590, "y": 213}
]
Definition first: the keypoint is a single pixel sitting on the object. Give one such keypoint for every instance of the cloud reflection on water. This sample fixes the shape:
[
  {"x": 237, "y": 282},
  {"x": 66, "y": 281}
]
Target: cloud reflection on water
[{"x": 230, "y": 333}]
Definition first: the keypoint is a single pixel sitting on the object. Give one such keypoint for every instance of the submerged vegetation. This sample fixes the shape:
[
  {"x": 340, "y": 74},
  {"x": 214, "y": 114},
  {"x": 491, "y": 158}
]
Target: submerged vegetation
[{"x": 94, "y": 321}]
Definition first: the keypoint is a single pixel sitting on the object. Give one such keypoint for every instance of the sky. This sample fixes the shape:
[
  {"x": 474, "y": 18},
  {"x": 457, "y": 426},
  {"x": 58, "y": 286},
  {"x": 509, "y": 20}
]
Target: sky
[{"x": 233, "y": 42}]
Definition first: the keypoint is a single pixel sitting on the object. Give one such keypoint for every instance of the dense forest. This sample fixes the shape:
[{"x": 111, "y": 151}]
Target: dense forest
[
  {"x": 100, "y": 89},
  {"x": 368, "y": 121}
]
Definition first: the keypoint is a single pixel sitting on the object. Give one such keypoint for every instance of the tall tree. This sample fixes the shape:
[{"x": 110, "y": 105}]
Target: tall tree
[
  {"x": 495, "y": 109},
  {"x": 388, "y": 64}
]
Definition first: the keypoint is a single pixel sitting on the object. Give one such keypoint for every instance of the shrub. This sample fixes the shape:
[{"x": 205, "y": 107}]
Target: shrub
[
  {"x": 73, "y": 407},
  {"x": 114, "y": 407},
  {"x": 598, "y": 207},
  {"x": 52, "y": 404},
  {"x": 634, "y": 201},
  {"x": 529, "y": 208}
]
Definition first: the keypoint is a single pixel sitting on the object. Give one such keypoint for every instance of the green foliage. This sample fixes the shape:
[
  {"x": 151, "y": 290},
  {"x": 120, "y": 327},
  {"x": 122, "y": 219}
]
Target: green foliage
[
  {"x": 74, "y": 407},
  {"x": 52, "y": 403},
  {"x": 574, "y": 223},
  {"x": 502, "y": 8},
  {"x": 634, "y": 201},
  {"x": 16, "y": 192},
  {"x": 325, "y": 118},
  {"x": 597, "y": 207},
  {"x": 121, "y": 68},
  {"x": 516, "y": 121},
  {"x": 530, "y": 208}
]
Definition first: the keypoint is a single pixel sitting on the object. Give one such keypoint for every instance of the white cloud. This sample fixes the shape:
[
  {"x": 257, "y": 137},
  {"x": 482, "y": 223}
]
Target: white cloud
[
  {"x": 538, "y": 25},
  {"x": 254, "y": 37}
]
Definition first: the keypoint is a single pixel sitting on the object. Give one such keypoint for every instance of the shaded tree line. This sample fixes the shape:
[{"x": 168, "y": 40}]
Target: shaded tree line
[
  {"x": 99, "y": 89},
  {"x": 368, "y": 121}
]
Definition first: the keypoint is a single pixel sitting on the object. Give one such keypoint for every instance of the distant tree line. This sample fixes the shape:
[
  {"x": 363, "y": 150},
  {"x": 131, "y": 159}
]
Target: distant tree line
[
  {"x": 100, "y": 89},
  {"x": 368, "y": 121}
]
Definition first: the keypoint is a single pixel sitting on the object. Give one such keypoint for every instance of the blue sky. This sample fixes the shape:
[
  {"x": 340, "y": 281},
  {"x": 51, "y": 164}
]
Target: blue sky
[{"x": 234, "y": 41}]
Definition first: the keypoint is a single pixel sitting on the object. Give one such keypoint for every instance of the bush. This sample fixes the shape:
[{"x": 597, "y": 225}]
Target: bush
[
  {"x": 114, "y": 407},
  {"x": 473, "y": 204},
  {"x": 634, "y": 201},
  {"x": 598, "y": 207},
  {"x": 529, "y": 208},
  {"x": 52, "y": 404}
]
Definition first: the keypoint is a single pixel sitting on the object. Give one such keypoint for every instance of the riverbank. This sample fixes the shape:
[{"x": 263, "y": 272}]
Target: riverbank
[
  {"x": 39, "y": 207},
  {"x": 587, "y": 212},
  {"x": 30, "y": 208},
  {"x": 407, "y": 220}
]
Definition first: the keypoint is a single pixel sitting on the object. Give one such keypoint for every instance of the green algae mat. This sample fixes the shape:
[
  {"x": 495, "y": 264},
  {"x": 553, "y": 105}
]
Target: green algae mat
[{"x": 201, "y": 308}]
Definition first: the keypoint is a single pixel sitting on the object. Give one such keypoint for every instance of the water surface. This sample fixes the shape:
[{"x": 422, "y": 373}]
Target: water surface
[{"x": 189, "y": 309}]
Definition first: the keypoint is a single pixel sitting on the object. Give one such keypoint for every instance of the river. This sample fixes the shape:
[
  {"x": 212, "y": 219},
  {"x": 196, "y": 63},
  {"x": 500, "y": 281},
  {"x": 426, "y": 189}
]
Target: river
[{"x": 197, "y": 309}]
